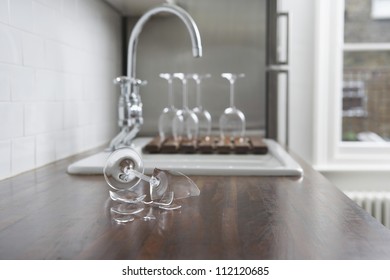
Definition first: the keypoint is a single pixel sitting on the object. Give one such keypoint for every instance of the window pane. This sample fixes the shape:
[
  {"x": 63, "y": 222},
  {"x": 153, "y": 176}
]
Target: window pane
[
  {"x": 366, "y": 96},
  {"x": 366, "y": 80},
  {"x": 367, "y": 21}
]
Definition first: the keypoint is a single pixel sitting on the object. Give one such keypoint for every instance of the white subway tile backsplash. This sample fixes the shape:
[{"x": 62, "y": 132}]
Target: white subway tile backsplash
[
  {"x": 21, "y": 14},
  {"x": 73, "y": 60},
  {"x": 68, "y": 32},
  {"x": 33, "y": 50},
  {"x": 84, "y": 113},
  {"x": 96, "y": 134},
  {"x": 54, "y": 56},
  {"x": 11, "y": 116},
  {"x": 70, "y": 141},
  {"x": 76, "y": 114},
  {"x": 22, "y": 80},
  {"x": 101, "y": 113},
  {"x": 45, "y": 20},
  {"x": 4, "y": 88},
  {"x": 23, "y": 154},
  {"x": 71, "y": 114},
  {"x": 45, "y": 148},
  {"x": 50, "y": 84},
  {"x": 5, "y": 91},
  {"x": 86, "y": 8},
  {"x": 55, "y": 4},
  {"x": 57, "y": 62},
  {"x": 10, "y": 45},
  {"x": 5, "y": 159},
  {"x": 101, "y": 86},
  {"x": 73, "y": 87},
  {"x": 62, "y": 57},
  {"x": 4, "y": 11},
  {"x": 106, "y": 130},
  {"x": 69, "y": 8},
  {"x": 42, "y": 117}
]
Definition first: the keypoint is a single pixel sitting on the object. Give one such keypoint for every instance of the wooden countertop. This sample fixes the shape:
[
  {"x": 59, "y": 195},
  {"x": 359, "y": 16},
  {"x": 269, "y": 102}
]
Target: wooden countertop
[{"x": 49, "y": 214}]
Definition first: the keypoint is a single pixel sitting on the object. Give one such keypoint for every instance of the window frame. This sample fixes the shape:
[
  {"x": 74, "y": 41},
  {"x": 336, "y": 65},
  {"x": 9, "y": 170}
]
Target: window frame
[{"x": 330, "y": 153}]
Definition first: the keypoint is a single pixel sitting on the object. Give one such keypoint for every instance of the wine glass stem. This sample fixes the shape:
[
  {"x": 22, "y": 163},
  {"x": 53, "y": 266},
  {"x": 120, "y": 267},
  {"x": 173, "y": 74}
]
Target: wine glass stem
[
  {"x": 185, "y": 94},
  {"x": 170, "y": 93},
  {"x": 232, "y": 94},
  {"x": 151, "y": 180},
  {"x": 198, "y": 95}
]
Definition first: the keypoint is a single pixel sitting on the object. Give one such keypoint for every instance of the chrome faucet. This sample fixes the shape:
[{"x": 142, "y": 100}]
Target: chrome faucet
[{"x": 130, "y": 105}]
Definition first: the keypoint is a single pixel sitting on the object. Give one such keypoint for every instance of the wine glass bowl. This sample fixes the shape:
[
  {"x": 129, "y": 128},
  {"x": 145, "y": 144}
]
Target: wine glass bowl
[
  {"x": 165, "y": 123},
  {"x": 232, "y": 121},
  {"x": 185, "y": 124},
  {"x": 204, "y": 117},
  {"x": 168, "y": 114}
]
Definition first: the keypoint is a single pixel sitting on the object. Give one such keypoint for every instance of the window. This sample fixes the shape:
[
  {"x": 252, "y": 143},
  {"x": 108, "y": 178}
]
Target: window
[
  {"x": 352, "y": 103},
  {"x": 366, "y": 71}
]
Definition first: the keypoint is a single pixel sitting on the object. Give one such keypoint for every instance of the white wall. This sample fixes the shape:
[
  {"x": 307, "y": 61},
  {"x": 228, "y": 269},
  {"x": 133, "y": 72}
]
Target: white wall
[{"x": 57, "y": 62}]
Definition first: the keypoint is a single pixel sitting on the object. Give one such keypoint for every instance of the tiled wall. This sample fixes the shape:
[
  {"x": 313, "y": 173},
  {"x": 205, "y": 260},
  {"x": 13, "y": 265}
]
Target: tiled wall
[{"x": 57, "y": 62}]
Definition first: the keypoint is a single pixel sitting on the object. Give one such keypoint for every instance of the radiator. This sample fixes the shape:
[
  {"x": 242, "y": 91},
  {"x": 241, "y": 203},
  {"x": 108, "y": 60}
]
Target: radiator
[{"x": 375, "y": 203}]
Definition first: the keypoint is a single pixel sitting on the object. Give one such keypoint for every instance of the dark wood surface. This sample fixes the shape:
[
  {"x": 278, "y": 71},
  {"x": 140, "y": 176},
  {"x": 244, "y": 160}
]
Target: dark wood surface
[{"x": 49, "y": 214}]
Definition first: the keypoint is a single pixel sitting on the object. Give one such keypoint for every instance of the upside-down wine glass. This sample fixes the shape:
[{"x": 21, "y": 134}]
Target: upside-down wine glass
[
  {"x": 204, "y": 117},
  {"x": 168, "y": 114},
  {"x": 232, "y": 120},
  {"x": 185, "y": 124}
]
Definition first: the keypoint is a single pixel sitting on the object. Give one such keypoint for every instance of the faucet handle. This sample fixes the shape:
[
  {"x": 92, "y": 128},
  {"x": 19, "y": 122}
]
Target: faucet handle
[
  {"x": 121, "y": 80},
  {"x": 124, "y": 80}
]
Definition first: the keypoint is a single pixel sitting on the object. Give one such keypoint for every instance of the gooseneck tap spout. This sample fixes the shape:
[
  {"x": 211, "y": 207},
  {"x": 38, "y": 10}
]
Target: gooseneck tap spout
[
  {"x": 131, "y": 103},
  {"x": 169, "y": 8}
]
